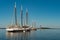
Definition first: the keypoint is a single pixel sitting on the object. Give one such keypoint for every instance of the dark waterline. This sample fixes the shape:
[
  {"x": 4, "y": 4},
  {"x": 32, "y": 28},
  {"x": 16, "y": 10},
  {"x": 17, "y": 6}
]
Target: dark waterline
[{"x": 42, "y": 34}]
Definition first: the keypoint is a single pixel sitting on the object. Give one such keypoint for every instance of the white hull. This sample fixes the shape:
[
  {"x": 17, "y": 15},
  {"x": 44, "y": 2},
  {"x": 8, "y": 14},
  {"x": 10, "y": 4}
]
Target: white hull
[{"x": 17, "y": 29}]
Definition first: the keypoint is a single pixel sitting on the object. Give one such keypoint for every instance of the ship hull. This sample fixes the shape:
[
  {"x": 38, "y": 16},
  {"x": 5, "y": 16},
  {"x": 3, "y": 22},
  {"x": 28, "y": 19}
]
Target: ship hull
[{"x": 17, "y": 29}]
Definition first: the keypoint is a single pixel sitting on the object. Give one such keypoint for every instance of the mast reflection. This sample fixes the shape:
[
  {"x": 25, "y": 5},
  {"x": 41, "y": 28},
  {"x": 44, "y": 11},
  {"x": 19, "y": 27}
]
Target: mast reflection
[{"x": 18, "y": 35}]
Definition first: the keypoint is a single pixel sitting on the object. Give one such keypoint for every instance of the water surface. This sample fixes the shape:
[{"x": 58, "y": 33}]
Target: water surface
[{"x": 42, "y": 34}]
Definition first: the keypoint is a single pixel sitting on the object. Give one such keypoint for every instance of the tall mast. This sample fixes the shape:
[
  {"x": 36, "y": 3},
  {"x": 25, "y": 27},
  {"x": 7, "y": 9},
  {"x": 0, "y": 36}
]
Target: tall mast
[
  {"x": 15, "y": 14},
  {"x": 26, "y": 16},
  {"x": 21, "y": 16}
]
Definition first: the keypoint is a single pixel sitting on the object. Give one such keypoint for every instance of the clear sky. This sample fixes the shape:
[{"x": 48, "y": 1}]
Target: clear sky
[{"x": 44, "y": 12}]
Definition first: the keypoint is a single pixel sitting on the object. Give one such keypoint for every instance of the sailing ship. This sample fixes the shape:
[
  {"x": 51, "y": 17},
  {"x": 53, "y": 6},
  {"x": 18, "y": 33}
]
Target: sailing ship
[{"x": 16, "y": 28}]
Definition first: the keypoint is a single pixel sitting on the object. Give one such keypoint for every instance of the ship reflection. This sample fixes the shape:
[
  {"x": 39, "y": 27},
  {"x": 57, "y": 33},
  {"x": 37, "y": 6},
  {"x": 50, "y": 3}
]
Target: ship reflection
[{"x": 18, "y": 36}]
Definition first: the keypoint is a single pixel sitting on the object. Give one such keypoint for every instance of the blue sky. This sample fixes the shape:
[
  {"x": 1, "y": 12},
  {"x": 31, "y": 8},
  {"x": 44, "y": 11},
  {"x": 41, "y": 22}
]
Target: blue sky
[{"x": 43, "y": 12}]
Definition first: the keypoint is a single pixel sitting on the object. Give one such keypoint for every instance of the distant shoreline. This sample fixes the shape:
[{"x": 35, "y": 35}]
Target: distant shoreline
[
  {"x": 2, "y": 28},
  {"x": 38, "y": 28}
]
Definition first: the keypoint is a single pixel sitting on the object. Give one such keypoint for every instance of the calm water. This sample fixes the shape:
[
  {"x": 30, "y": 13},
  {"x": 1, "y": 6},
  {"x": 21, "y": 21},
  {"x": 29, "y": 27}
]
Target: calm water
[{"x": 47, "y": 34}]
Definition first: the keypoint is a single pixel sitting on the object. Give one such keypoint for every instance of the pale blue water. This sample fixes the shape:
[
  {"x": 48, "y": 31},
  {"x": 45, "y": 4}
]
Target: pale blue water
[{"x": 46, "y": 34}]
